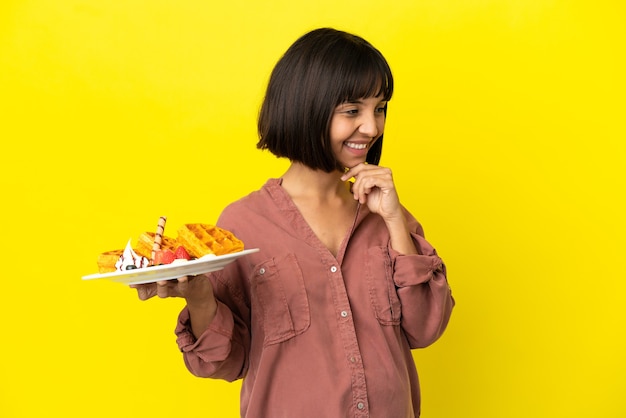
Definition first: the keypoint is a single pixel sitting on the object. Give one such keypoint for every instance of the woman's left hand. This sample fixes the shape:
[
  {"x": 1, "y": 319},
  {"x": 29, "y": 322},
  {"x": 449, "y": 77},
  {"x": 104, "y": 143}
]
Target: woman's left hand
[{"x": 374, "y": 185}]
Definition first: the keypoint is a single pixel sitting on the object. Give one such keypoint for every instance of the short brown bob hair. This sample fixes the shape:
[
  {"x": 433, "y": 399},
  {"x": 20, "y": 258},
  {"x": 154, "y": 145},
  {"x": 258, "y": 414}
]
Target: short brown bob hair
[{"x": 321, "y": 70}]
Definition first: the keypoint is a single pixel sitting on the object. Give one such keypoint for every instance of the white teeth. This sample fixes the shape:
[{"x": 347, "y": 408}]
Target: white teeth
[{"x": 355, "y": 146}]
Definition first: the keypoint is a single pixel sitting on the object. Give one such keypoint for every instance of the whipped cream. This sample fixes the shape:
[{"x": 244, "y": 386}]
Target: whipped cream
[{"x": 131, "y": 258}]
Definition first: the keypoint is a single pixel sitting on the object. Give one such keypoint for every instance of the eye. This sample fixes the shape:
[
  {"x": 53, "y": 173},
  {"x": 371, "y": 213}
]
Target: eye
[{"x": 348, "y": 110}]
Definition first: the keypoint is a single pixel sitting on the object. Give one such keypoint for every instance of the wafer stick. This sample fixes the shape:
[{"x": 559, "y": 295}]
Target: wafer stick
[{"x": 156, "y": 246}]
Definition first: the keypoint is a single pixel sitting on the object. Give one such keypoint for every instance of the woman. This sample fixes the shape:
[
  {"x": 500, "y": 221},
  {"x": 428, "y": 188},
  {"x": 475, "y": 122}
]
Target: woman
[{"x": 321, "y": 321}]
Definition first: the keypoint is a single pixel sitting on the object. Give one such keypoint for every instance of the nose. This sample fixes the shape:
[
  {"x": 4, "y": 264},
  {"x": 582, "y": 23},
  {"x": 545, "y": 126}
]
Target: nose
[{"x": 369, "y": 126}]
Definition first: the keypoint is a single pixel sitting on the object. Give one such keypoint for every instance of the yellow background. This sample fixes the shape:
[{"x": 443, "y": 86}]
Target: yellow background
[{"x": 506, "y": 136}]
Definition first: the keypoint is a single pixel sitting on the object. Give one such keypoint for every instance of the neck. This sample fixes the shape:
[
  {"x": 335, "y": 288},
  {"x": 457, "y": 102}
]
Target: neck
[{"x": 302, "y": 181}]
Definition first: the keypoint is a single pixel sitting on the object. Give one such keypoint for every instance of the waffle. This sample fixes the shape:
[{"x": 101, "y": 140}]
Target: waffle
[
  {"x": 107, "y": 260},
  {"x": 203, "y": 239},
  {"x": 146, "y": 240}
]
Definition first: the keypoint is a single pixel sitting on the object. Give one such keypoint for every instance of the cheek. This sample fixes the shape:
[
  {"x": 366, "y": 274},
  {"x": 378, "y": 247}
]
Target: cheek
[
  {"x": 341, "y": 130},
  {"x": 337, "y": 131}
]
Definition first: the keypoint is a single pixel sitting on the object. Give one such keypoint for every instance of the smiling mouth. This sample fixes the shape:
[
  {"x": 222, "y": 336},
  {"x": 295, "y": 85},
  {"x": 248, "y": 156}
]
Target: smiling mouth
[{"x": 355, "y": 146}]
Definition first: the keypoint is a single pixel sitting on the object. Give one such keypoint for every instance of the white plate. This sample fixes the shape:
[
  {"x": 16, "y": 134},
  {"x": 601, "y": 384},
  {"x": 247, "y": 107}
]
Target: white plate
[{"x": 171, "y": 271}]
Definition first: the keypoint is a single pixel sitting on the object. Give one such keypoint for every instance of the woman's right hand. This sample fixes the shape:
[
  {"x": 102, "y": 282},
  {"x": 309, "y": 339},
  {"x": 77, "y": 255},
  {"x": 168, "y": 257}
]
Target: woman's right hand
[{"x": 197, "y": 290}]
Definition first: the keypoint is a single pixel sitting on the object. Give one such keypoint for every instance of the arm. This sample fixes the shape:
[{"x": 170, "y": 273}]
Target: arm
[
  {"x": 423, "y": 290},
  {"x": 375, "y": 187},
  {"x": 216, "y": 345},
  {"x": 199, "y": 295},
  {"x": 214, "y": 339},
  {"x": 400, "y": 237},
  {"x": 419, "y": 274}
]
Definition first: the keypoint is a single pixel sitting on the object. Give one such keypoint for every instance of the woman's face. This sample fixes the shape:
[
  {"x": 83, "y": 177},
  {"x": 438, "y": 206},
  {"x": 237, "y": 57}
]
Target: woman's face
[{"x": 354, "y": 127}]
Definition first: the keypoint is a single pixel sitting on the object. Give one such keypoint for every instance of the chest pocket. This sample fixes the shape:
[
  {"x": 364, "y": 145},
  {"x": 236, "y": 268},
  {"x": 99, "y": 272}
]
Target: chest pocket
[
  {"x": 279, "y": 289},
  {"x": 382, "y": 289}
]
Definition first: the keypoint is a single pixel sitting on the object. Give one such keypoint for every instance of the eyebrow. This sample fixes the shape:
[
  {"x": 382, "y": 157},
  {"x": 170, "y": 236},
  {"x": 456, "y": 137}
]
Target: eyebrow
[{"x": 360, "y": 101}]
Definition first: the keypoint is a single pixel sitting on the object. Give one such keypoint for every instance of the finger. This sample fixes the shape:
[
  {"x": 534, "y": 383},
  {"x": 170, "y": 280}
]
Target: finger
[
  {"x": 347, "y": 175},
  {"x": 354, "y": 171},
  {"x": 163, "y": 288},
  {"x": 183, "y": 285},
  {"x": 363, "y": 186},
  {"x": 363, "y": 196},
  {"x": 145, "y": 291},
  {"x": 380, "y": 178}
]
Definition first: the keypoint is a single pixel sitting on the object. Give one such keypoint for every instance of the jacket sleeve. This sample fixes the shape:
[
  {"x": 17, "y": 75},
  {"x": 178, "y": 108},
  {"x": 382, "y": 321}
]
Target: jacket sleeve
[
  {"x": 221, "y": 351},
  {"x": 422, "y": 287}
]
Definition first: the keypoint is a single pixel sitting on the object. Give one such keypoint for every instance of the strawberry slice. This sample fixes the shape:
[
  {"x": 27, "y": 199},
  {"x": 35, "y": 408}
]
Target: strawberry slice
[
  {"x": 164, "y": 257},
  {"x": 181, "y": 252}
]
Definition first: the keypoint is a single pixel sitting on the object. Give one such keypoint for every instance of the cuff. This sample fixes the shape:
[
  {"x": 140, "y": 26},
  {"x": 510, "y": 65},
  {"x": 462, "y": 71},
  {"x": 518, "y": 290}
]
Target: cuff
[
  {"x": 413, "y": 269},
  {"x": 214, "y": 343}
]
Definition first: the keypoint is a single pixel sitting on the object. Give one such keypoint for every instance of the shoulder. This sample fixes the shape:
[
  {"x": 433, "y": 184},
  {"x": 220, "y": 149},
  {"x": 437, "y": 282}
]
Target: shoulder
[{"x": 249, "y": 206}]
